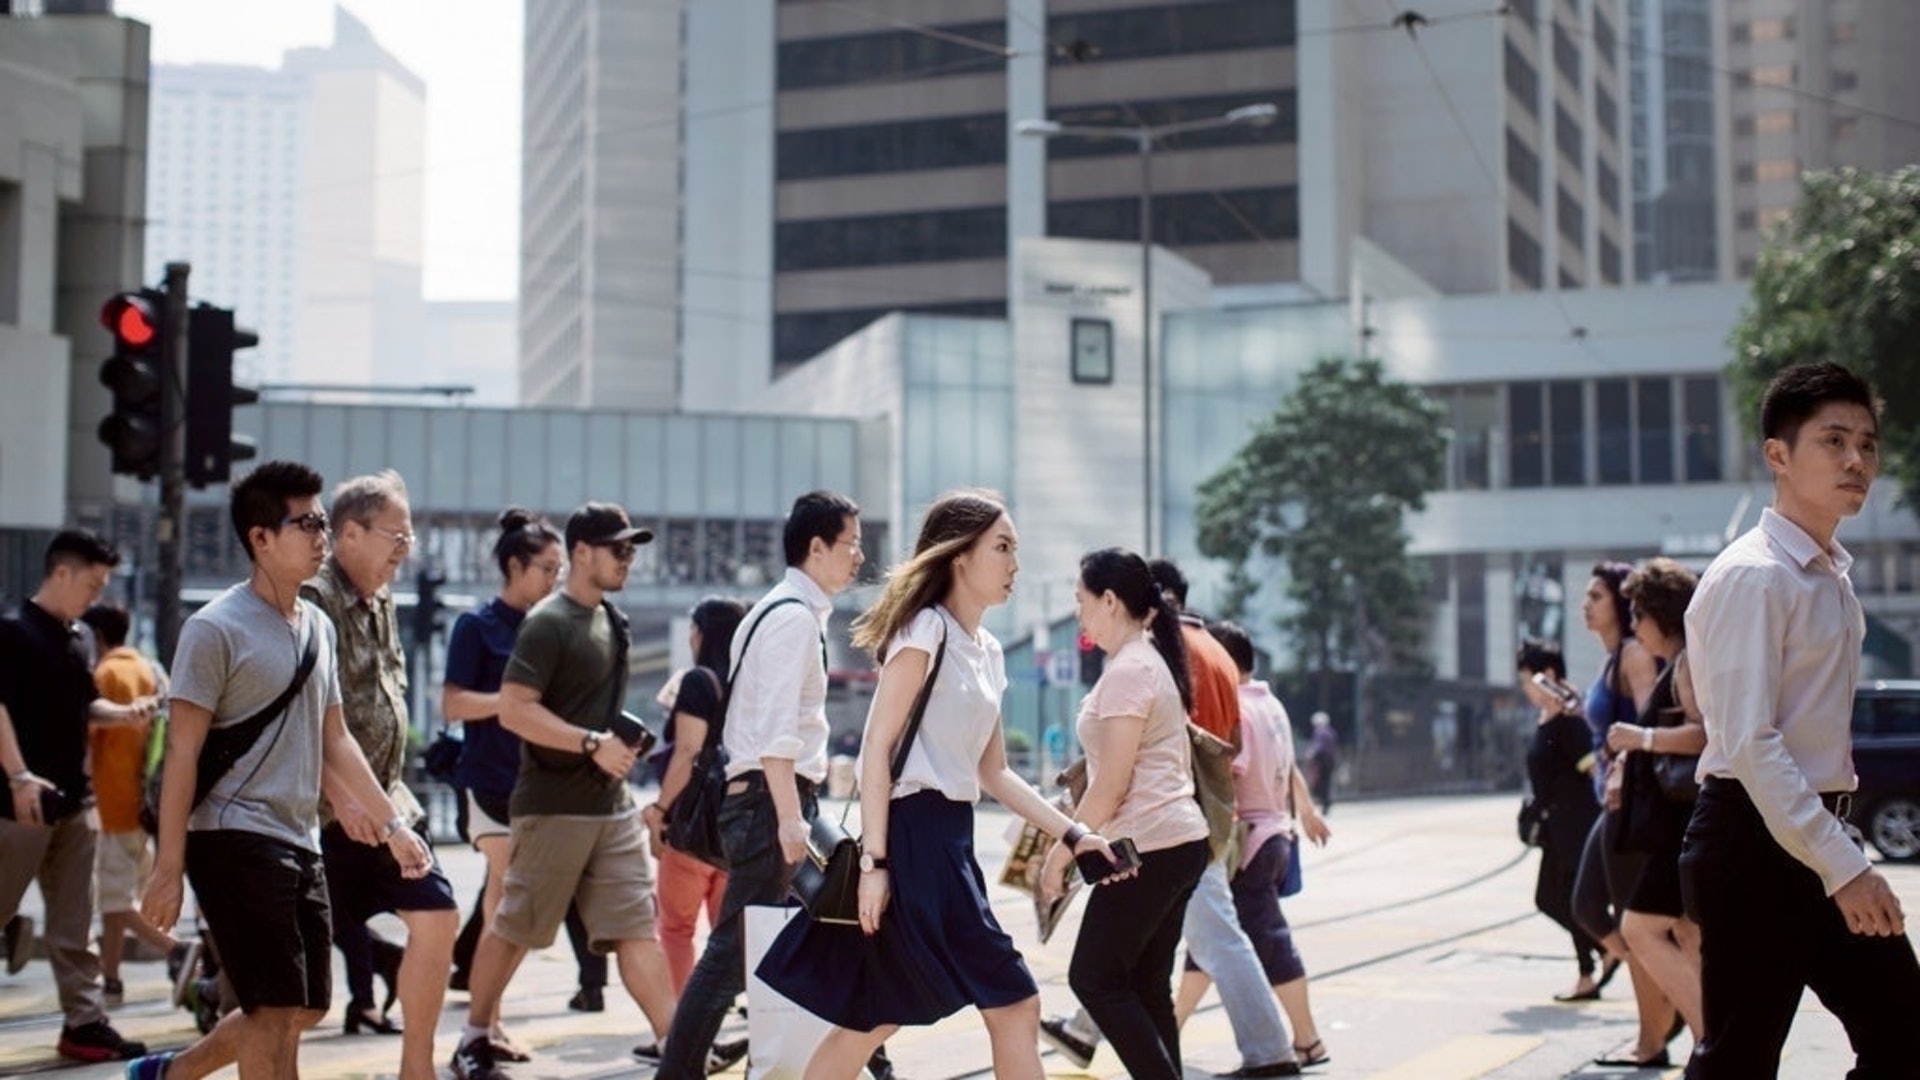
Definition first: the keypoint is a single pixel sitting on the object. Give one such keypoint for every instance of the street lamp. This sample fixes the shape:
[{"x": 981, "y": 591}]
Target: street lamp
[{"x": 1144, "y": 139}]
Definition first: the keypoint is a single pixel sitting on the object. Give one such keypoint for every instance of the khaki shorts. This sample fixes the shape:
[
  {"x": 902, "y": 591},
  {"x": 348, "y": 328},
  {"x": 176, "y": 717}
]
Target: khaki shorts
[
  {"x": 121, "y": 862},
  {"x": 601, "y": 863}
]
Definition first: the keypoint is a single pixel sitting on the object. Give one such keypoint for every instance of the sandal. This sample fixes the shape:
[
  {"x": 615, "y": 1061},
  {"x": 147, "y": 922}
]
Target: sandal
[{"x": 1314, "y": 1053}]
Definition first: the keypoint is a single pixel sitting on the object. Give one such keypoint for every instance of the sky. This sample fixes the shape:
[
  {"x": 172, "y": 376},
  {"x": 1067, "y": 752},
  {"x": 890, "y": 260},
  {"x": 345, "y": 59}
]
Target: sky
[{"x": 467, "y": 53}]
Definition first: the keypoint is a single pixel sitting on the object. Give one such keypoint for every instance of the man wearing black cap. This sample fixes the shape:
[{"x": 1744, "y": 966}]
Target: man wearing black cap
[{"x": 577, "y": 835}]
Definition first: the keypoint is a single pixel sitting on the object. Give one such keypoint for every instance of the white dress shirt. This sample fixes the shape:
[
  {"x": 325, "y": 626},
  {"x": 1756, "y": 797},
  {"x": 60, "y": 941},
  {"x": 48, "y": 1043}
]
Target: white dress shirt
[
  {"x": 778, "y": 704},
  {"x": 963, "y": 711},
  {"x": 1774, "y": 635}
]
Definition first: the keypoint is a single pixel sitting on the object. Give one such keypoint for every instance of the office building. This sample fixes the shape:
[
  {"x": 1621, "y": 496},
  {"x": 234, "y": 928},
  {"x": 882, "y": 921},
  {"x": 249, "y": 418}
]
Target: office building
[{"x": 1678, "y": 185}]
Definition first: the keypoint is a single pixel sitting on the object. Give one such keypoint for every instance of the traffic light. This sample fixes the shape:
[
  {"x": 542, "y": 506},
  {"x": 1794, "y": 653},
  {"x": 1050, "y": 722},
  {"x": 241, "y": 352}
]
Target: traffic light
[
  {"x": 212, "y": 447},
  {"x": 426, "y": 605},
  {"x": 136, "y": 373},
  {"x": 1092, "y": 661}
]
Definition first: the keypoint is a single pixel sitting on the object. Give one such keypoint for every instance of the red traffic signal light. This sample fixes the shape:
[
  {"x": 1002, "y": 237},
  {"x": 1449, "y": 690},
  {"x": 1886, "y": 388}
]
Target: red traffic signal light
[{"x": 132, "y": 321}]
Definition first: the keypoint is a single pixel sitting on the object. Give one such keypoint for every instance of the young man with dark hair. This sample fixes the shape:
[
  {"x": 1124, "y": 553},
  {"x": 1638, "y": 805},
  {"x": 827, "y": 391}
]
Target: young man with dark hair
[
  {"x": 48, "y": 706},
  {"x": 776, "y": 740},
  {"x": 1783, "y": 894},
  {"x": 577, "y": 835},
  {"x": 256, "y": 704},
  {"x": 118, "y": 765},
  {"x": 373, "y": 535},
  {"x": 1217, "y": 946}
]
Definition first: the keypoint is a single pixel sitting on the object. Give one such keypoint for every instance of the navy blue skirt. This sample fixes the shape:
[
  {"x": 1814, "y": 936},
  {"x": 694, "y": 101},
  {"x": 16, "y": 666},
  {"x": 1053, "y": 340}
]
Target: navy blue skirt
[{"x": 939, "y": 948}]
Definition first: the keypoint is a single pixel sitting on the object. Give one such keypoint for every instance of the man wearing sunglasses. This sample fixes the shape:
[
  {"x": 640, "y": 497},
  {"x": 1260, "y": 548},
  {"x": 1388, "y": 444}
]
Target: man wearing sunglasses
[
  {"x": 255, "y": 733},
  {"x": 372, "y": 538},
  {"x": 577, "y": 833}
]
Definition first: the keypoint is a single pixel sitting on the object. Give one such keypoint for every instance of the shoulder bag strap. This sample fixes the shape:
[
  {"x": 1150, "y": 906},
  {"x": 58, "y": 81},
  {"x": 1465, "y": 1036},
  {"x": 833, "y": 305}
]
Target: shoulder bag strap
[
  {"x": 225, "y": 746},
  {"x": 919, "y": 708},
  {"x": 748, "y": 640},
  {"x": 618, "y": 622}
]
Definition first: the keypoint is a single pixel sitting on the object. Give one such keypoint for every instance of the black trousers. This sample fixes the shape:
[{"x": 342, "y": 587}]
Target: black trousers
[
  {"x": 1768, "y": 931},
  {"x": 1122, "y": 967}
]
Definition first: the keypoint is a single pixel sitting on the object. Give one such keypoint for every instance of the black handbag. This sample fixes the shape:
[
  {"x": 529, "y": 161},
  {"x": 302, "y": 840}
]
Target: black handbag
[
  {"x": 827, "y": 879},
  {"x": 1675, "y": 774},
  {"x": 441, "y": 759},
  {"x": 1531, "y": 822},
  {"x": 693, "y": 821}
]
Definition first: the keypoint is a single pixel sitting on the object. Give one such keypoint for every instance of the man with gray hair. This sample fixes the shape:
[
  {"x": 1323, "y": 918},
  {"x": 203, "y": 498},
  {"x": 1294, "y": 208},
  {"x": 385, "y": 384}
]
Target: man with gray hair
[{"x": 373, "y": 535}]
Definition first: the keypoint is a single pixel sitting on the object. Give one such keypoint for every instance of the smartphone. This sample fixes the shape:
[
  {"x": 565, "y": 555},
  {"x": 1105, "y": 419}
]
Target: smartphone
[
  {"x": 1562, "y": 691},
  {"x": 634, "y": 731},
  {"x": 1095, "y": 868}
]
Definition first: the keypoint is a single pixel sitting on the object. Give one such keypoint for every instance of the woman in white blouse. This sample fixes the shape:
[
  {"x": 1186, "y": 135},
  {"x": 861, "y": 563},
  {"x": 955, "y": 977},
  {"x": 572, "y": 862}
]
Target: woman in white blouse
[{"x": 928, "y": 944}]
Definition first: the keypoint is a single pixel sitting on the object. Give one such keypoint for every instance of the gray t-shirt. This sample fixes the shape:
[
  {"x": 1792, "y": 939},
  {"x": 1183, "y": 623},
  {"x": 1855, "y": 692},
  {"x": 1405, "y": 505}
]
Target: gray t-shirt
[{"x": 237, "y": 655}]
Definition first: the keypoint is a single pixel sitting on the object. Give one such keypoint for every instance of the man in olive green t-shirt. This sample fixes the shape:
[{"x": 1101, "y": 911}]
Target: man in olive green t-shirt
[{"x": 577, "y": 836}]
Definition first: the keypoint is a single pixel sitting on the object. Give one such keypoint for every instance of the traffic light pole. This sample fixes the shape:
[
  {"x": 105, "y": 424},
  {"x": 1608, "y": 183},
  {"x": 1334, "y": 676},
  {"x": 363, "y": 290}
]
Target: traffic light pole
[{"x": 173, "y": 462}]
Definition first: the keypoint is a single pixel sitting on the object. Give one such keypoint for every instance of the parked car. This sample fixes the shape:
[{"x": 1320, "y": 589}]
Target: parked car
[{"x": 1886, "y": 757}]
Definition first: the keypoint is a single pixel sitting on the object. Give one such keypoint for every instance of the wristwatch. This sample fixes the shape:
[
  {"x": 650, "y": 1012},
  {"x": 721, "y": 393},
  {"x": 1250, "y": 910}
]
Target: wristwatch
[
  {"x": 869, "y": 862},
  {"x": 590, "y": 743}
]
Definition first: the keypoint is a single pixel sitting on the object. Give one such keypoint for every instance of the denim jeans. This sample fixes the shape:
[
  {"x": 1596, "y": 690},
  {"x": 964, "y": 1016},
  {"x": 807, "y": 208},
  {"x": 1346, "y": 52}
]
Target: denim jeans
[
  {"x": 756, "y": 874},
  {"x": 1216, "y": 942}
]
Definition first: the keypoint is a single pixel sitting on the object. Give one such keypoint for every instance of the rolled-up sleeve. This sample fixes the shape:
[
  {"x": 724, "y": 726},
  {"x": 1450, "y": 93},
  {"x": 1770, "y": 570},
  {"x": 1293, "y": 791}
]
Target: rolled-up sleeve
[
  {"x": 767, "y": 698},
  {"x": 1737, "y": 626}
]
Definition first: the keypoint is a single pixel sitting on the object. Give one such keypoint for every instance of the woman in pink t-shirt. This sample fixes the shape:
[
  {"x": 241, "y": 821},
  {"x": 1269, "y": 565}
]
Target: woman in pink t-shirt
[{"x": 1139, "y": 785}]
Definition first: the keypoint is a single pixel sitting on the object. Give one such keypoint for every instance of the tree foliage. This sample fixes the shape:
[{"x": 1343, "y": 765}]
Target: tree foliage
[
  {"x": 1841, "y": 281},
  {"x": 1323, "y": 486}
]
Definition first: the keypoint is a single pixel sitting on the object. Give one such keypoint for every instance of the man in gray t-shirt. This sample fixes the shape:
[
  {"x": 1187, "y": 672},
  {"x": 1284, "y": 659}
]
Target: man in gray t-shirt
[{"x": 251, "y": 846}]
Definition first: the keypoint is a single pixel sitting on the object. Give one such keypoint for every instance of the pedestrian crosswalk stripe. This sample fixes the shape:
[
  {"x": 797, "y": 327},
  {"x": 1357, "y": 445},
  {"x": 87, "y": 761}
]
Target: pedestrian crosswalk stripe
[{"x": 1463, "y": 1059}]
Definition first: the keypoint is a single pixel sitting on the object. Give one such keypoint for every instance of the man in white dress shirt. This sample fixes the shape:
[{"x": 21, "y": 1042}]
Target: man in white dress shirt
[
  {"x": 1784, "y": 896},
  {"x": 775, "y": 735}
]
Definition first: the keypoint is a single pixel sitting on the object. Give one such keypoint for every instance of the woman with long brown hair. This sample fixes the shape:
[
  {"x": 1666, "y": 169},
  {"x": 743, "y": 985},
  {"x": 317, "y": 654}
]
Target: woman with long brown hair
[{"x": 928, "y": 944}]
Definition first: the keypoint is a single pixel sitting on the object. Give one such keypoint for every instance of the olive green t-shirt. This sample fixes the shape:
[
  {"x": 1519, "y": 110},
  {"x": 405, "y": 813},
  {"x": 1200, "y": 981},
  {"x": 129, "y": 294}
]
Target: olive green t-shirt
[{"x": 566, "y": 652}]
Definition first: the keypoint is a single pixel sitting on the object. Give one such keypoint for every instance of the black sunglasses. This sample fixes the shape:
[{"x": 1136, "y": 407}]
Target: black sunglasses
[{"x": 619, "y": 549}]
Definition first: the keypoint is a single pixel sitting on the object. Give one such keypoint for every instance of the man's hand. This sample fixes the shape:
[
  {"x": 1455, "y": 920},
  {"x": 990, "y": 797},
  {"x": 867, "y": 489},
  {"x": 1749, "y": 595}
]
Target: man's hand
[
  {"x": 655, "y": 819},
  {"x": 411, "y": 852},
  {"x": 1315, "y": 826},
  {"x": 160, "y": 904},
  {"x": 614, "y": 757},
  {"x": 1869, "y": 906},
  {"x": 358, "y": 824},
  {"x": 793, "y": 840},
  {"x": 26, "y": 798}
]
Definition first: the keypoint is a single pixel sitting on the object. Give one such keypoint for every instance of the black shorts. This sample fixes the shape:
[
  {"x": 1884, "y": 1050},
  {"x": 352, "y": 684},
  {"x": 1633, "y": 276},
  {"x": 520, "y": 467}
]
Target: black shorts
[
  {"x": 265, "y": 903},
  {"x": 365, "y": 880}
]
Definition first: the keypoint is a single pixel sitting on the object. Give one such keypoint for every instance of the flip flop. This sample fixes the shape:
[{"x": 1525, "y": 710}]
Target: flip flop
[{"x": 1314, "y": 1053}]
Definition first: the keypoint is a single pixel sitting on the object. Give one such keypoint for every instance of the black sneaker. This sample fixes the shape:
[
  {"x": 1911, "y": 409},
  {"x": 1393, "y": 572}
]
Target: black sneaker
[
  {"x": 1063, "y": 1038},
  {"x": 725, "y": 1055},
  {"x": 648, "y": 1053},
  {"x": 19, "y": 942},
  {"x": 588, "y": 999},
  {"x": 114, "y": 991},
  {"x": 474, "y": 1061},
  {"x": 98, "y": 1042}
]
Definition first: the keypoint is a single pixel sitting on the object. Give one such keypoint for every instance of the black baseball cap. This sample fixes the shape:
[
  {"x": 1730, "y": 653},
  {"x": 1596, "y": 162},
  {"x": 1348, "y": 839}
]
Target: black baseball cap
[{"x": 603, "y": 523}]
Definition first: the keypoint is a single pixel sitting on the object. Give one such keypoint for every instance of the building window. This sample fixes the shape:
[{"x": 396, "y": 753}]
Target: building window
[
  {"x": 1523, "y": 81},
  {"x": 1523, "y": 167},
  {"x": 1610, "y": 269},
  {"x": 1744, "y": 172},
  {"x": 1283, "y": 129},
  {"x": 1845, "y": 31},
  {"x": 1092, "y": 345},
  {"x": 1774, "y": 122},
  {"x": 1567, "y": 450},
  {"x": 1195, "y": 26},
  {"x": 1606, "y": 113},
  {"x": 1470, "y": 624},
  {"x": 889, "y": 56},
  {"x": 1702, "y": 435},
  {"x": 897, "y": 146},
  {"x": 1566, "y": 55},
  {"x": 888, "y": 239},
  {"x": 1613, "y": 431},
  {"x": 1771, "y": 29},
  {"x": 1653, "y": 425},
  {"x": 1527, "y": 430},
  {"x": 1775, "y": 170},
  {"x": 1566, "y": 134},
  {"x": 1609, "y": 184},
  {"x": 1771, "y": 75},
  {"x": 1846, "y": 127},
  {"x": 802, "y": 335},
  {"x": 1523, "y": 255},
  {"x": 1184, "y": 219},
  {"x": 1604, "y": 41},
  {"x": 1572, "y": 218},
  {"x": 1844, "y": 81}
]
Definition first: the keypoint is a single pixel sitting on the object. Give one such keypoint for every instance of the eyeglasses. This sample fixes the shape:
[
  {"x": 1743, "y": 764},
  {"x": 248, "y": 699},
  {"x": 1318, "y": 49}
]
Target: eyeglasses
[
  {"x": 400, "y": 539},
  {"x": 620, "y": 549},
  {"x": 313, "y": 523}
]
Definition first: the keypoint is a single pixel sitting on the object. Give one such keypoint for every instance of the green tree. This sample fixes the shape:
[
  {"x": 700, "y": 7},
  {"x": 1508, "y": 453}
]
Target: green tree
[
  {"x": 1840, "y": 281},
  {"x": 1323, "y": 486}
]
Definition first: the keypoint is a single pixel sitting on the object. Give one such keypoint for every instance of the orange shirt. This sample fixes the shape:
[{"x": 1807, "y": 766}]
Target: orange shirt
[
  {"x": 1216, "y": 684},
  {"x": 120, "y": 752}
]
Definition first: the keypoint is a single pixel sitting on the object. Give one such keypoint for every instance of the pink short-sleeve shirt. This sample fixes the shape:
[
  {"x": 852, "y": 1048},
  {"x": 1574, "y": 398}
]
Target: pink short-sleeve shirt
[{"x": 1158, "y": 810}]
